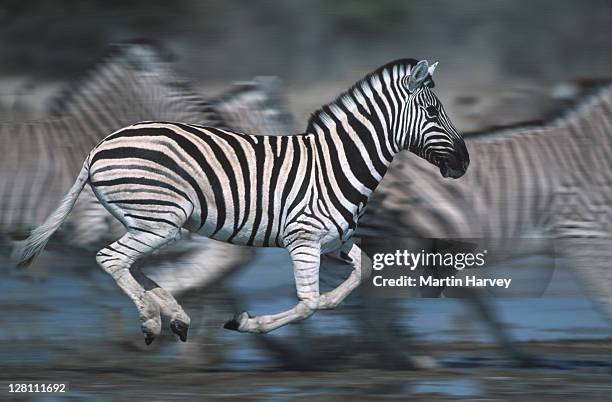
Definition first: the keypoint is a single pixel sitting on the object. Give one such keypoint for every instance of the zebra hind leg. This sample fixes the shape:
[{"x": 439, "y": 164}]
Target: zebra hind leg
[
  {"x": 117, "y": 259},
  {"x": 179, "y": 320}
]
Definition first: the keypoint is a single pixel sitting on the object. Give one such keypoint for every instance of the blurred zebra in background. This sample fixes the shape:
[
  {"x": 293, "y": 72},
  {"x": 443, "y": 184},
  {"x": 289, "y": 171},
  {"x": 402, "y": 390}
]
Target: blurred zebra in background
[
  {"x": 36, "y": 164},
  {"x": 131, "y": 82},
  {"x": 534, "y": 188},
  {"x": 135, "y": 81}
]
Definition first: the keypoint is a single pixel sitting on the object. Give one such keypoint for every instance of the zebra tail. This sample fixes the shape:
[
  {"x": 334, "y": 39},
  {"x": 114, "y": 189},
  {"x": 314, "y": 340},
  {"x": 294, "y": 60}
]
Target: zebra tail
[{"x": 39, "y": 237}]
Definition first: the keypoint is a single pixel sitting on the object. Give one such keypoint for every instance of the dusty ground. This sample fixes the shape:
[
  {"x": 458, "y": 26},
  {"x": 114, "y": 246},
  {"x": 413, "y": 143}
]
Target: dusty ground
[{"x": 578, "y": 370}]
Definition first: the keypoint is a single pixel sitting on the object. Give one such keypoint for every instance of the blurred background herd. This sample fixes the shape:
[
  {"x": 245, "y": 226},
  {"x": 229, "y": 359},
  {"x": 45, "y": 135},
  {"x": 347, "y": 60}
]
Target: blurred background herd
[{"x": 72, "y": 72}]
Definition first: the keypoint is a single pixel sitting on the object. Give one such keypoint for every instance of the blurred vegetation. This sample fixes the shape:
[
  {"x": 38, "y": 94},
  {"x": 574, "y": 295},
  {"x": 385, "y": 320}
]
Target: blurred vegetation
[
  {"x": 365, "y": 16},
  {"x": 301, "y": 39},
  {"x": 57, "y": 38}
]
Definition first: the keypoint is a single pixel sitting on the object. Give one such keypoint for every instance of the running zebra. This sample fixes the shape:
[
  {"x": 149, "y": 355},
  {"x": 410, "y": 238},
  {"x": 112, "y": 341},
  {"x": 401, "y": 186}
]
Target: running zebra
[
  {"x": 533, "y": 188},
  {"x": 304, "y": 193}
]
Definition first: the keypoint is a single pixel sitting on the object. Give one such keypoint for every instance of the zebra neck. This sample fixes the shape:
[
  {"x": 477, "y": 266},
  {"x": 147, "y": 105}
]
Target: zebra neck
[{"x": 352, "y": 160}]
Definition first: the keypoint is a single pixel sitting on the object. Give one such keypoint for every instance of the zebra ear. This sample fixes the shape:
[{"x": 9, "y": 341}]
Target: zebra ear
[
  {"x": 432, "y": 68},
  {"x": 418, "y": 75}
]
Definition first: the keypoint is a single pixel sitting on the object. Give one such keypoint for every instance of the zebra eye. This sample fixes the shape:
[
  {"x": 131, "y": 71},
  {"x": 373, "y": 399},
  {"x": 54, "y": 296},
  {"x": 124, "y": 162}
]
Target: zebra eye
[{"x": 432, "y": 111}]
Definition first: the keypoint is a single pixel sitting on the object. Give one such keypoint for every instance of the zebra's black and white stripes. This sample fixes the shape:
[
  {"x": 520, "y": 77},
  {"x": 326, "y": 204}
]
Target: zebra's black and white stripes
[{"x": 304, "y": 193}]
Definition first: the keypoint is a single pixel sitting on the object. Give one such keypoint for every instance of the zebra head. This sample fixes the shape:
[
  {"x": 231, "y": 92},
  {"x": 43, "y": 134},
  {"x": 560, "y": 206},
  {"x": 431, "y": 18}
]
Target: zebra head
[{"x": 431, "y": 135}]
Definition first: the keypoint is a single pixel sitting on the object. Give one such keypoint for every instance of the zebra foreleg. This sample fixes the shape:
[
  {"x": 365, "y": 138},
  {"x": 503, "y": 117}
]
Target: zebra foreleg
[
  {"x": 306, "y": 257},
  {"x": 362, "y": 268},
  {"x": 179, "y": 320},
  {"x": 591, "y": 257}
]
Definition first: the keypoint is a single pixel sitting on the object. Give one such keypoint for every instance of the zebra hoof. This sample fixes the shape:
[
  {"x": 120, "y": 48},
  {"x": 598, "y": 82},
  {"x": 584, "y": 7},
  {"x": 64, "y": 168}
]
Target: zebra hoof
[
  {"x": 180, "y": 328},
  {"x": 150, "y": 329},
  {"x": 234, "y": 323},
  {"x": 149, "y": 339}
]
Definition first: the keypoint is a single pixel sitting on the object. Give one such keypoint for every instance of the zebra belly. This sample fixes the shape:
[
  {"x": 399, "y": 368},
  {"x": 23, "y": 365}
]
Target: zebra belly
[{"x": 245, "y": 236}]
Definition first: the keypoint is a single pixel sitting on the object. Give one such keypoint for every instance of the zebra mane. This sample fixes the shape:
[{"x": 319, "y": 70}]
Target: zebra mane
[
  {"x": 591, "y": 92},
  {"x": 345, "y": 98}
]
